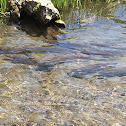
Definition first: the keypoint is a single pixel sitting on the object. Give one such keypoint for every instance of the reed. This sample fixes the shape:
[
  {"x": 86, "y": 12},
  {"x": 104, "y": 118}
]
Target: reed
[
  {"x": 60, "y": 4},
  {"x": 3, "y": 7},
  {"x": 65, "y": 4}
]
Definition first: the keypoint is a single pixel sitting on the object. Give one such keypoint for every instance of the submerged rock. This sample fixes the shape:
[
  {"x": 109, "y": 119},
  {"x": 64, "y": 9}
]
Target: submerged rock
[{"x": 42, "y": 10}]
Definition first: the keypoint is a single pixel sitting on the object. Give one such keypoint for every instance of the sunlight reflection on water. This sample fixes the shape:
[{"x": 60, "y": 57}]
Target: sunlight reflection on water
[{"x": 76, "y": 77}]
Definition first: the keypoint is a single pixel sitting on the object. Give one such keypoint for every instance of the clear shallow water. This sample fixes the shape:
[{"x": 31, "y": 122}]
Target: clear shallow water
[{"x": 72, "y": 77}]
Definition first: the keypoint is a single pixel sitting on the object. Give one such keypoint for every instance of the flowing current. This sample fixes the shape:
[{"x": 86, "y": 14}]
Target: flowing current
[{"x": 72, "y": 77}]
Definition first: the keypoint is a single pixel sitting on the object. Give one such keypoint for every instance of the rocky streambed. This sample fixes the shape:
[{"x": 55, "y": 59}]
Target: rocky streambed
[{"x": 76, "y": 77}]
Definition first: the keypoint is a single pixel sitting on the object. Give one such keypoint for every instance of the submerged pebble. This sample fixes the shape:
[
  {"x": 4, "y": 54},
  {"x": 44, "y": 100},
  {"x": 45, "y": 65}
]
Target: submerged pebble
[{"x": 78, "y": 79}]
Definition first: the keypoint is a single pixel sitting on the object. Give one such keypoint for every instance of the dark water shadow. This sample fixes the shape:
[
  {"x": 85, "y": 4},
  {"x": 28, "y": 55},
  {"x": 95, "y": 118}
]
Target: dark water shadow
[
  {"x": 35, "y": 29},
  {"x": 26, "y": 60},
  {"x": 44, "y": 65},
  {"x": 113, "y": 73},
  {"x": 89, "y": 69},
  {"x": 101, "y": 71}
]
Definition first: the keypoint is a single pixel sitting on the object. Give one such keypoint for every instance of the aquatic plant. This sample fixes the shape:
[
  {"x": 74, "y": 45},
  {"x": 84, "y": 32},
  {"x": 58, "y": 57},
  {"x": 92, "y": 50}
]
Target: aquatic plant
[{"x": 3, "y": 7}]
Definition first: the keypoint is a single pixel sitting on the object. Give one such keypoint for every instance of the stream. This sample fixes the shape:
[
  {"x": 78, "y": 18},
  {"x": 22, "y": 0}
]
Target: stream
[{"x": 70, "y": 77}]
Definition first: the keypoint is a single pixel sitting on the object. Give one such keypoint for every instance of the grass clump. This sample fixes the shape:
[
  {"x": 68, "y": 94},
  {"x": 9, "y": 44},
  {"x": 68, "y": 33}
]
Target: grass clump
[
  {"x": 3, "y": 7},
  {"x": 65, "y": 4}
]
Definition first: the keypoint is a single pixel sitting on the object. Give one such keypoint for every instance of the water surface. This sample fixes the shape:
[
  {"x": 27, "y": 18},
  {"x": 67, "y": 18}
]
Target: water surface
[{"x": 71, "y": 77}]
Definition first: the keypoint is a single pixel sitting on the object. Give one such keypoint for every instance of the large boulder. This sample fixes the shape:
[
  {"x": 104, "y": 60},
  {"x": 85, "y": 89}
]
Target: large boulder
[{"x": 42, "y": 10}]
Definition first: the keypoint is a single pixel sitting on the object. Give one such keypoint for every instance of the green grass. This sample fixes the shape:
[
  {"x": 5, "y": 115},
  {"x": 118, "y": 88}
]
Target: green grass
[
  {"x": 65, "y": 4},
  {"x": 3, "y": 7},
  {"x": 60, "y": 4}
]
